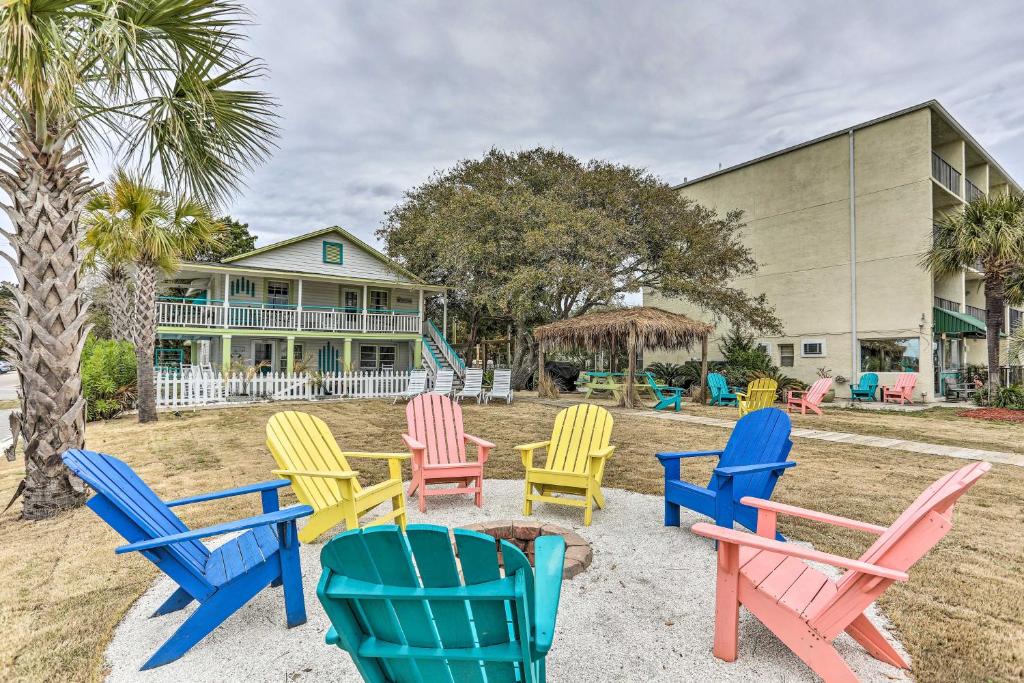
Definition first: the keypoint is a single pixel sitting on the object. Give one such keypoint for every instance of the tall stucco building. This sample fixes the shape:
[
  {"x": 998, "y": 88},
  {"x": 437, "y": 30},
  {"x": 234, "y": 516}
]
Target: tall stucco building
[{"x": 838, "y": 226}]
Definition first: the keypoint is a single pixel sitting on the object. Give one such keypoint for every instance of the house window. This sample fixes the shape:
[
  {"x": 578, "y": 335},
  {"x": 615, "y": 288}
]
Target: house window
[
  {"x": 372, "y": 357},
  {"x": 277, "y": 292},
  {"x": 890, "y": 355},
  {"x": 765, "y": 348},
  {"x": 350, "y": 301},
  {"x": 298, "y": 365},
  {"x": 334, "y": 252},
  {"x": 786, "y": 353},
  {"x": 379, "y": 299},
  {"x": 812, "y": 348}
]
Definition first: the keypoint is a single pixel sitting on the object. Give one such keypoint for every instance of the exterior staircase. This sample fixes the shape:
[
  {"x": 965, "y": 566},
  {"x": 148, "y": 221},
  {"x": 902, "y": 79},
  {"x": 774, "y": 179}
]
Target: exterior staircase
[
  {"x": 434, "y": 352},
  {"x": 439, "y": 354}
]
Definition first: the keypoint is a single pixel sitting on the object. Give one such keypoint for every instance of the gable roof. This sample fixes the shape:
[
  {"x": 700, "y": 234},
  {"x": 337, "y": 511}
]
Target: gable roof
[{"x": 334, "y": 229}]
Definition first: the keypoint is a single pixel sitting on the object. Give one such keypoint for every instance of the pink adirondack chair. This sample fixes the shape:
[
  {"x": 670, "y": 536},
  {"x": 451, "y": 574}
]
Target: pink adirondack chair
[
  {"x": 810, "y": 399},
  {"x": 902, "y": 391},
  {"x": 805, "y": 608},
  {"x": 438, "y": 445}
]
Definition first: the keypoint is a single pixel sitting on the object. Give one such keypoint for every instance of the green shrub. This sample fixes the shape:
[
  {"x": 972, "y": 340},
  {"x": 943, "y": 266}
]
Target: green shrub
[
  {"x": 1011, "y": 397},
  {"x": 108, "y": 377}
]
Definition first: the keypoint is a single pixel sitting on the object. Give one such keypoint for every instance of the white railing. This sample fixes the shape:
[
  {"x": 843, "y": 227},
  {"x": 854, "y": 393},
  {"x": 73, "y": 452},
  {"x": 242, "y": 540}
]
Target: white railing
[
  {"x": 176, "y": 391},
  {"x": 446, "y": 349},
  {"x": 186, "y": 314}
]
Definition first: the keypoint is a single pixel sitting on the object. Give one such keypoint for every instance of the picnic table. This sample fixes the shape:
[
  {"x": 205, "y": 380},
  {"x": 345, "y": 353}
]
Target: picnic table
[{"x": 612, "y": 383}]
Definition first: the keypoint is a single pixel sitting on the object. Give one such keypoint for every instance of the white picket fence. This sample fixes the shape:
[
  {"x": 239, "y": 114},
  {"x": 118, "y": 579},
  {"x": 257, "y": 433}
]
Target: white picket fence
[{"x": 177, "y": 390}]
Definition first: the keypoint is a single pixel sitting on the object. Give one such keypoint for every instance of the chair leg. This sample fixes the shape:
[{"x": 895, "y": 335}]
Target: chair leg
[
  {"x": 413, "y": 485},
  {"x": 871, "y": 639},
  {"x": 820, "y": 655},
  {"x": 588, "y": 512},
  {"x": 398, "y": 503},
  {"x": 727, "y": 603},
  {"x": 179, "y": 599},
  {"x": 422, "y": 497},
  {"x": 291, "y": 574},
  {"x": 598, "y": 496},
  {"x": 527, "y": 503},
  {"x": 671, "y": 513},
  {"x": 478, "y": 499}
]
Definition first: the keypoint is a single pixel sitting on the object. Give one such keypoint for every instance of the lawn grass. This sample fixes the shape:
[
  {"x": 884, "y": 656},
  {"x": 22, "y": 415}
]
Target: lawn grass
[
  {"x": 62, "y": 589},
  {"x": 9, "y": 404}
]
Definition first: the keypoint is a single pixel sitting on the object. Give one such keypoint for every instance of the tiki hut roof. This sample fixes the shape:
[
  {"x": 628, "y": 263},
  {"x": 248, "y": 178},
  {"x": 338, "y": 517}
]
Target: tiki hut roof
[{"x": 654, "y": 328}]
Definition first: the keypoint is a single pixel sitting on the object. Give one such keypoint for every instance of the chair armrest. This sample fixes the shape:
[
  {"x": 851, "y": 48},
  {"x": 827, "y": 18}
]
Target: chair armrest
[
  {"x": 478, "y": 441},
  {"x": 741, "y": 394},
  {"x": 603, "y": 452},
  {"x": 412, "y": 443},
  {"x": 665, "y": 457},
  {"x": 286, "y": 515},
  {"x": 549, "y": 556},
  {"x": 792, "y": 550},
  {"x": 376, "y": 456},
  {"x": 813, "y": 515},
  {"x": 352, "y": 474},
  {"x": 739, "y": 470},
  {"x": 228, "y": 493},
  {"x": 526, "y": 451},
  {"x": 794, "y": 394}
]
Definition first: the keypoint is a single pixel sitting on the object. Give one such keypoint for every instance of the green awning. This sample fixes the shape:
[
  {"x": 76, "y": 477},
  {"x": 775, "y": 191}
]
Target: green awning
[{"x": 952, "y": 322}]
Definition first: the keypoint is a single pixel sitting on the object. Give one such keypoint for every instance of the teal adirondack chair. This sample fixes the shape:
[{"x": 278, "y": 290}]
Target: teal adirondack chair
[
  {"x": 721, "y": 393},
  {"x": 433, "y": 622},
  {"x": 865, "y": 389},
  {"x": 667, "y": 397}
]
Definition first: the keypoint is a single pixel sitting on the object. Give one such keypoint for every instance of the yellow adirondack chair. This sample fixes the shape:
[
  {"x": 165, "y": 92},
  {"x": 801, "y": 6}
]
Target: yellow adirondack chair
[
  {"x": 318, "y": 469},
  {"x": 759, "y": 394},
  {"x": 577, "y": 451}
]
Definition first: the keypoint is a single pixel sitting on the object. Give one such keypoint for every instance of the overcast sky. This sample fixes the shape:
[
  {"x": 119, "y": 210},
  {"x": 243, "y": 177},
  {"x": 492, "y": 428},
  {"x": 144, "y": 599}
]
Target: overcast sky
[{"x": 376, "y": 96}]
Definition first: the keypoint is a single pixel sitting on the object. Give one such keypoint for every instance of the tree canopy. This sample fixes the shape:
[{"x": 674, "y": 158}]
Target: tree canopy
[
  {"x": 537, "y": 236},
  {"x": 236, "y": 240}
]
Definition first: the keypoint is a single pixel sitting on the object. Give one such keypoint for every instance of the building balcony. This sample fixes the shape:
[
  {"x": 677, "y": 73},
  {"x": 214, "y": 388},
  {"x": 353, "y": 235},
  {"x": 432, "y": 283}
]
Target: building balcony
[
  {"x": 947, "y": 305},
  {"x": 945, "y": 175},
  {"x": 213, "y": 314},
  {"x": 972, "y": 191},
  {"x": 978, "y": 313}
]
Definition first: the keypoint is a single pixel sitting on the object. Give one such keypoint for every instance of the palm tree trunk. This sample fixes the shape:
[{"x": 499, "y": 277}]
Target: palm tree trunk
[
  {"x": 122, "y": 305},
  {"x": 145, "y": 339},
  {"x": 47, "y": 185},
  {"x": 995, "y": 300}
]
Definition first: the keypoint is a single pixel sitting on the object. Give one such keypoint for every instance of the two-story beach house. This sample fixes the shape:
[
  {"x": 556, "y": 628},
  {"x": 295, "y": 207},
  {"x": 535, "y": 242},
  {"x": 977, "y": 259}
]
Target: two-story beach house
[
  {"x": 838, "y": 226},
  {"x": 322, "y": 301}
]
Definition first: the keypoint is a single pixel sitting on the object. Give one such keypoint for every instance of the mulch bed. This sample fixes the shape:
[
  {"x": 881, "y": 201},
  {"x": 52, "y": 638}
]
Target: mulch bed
[{"x": 997, "y": 414}]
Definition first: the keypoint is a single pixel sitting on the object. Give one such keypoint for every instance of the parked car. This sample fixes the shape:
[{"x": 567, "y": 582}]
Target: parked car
[{"x": 5, "y": 367}]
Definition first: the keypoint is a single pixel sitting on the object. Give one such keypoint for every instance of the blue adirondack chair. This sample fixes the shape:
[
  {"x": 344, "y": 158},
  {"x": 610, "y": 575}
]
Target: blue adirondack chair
[
  {"x": 667, "y": 397},
  {"x": 752, "y": 462},
  {"x": 431, "y": 622},
  {"x": 221, "y": 581},
  {"x": 721, "y": 393},
  {"x": 866, "y": 388}
]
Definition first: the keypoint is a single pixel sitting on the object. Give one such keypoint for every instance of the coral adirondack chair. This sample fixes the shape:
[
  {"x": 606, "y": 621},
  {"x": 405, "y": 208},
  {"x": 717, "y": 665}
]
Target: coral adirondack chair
[
  {"x": 309, "y": 457},
  {"x": 759, "y": 394},
  {"x": 810, "y": 399},
  {"x": 902, "y": 391},
  {"x": 417, "y": 385},
  {"x": 222, "y": 580},
  {"x": 864, "y": 389},
  {"x": 472, "y": 385},
  {"x": 750, "y": 465},
  {"x": 576, "y": 456},
  {"x": 804, "y": 607},
  {"x": 441, "y": 619},
  {"x": 721, "y": 393},
  {"x": 501, "y": 386},
  {"x": 437, "y": 442},
  {"x": 666, "y": 396},
  {"x": 443, "y": 382}
]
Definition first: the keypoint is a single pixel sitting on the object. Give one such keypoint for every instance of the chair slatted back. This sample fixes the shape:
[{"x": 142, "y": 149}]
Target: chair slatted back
[
  {"x": 131, "y": 508},
  {"x": 300, "y": 441},
  {"x": 417, "y": 381},
  {"x": 906, "y": 381},
  {"x": 868, "y": 382},
  {"x": 362, "y": 564},
  {"x": 717, "y": 384},
  {"x": 761, "y": 393},
  {"x": 818, "y": 390},
  {"x": 653, "y": 383},
  {"x": 443, "y": 382},
  {"x": 921, "y": 526},
  {"x": 501, "y": 382},
  {"x": 473, "y": 382},
  {"x": 436, "y": 421},
  {"x": 579, "y": 431},
  {"x": 758, "y": 437}
]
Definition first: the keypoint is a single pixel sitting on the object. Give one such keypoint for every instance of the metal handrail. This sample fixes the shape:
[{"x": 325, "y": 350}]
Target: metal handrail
[
  {"x": 944, "y": 172},
  {"x": 447, "y": 349},
  {"x": 947, "y": 305}
]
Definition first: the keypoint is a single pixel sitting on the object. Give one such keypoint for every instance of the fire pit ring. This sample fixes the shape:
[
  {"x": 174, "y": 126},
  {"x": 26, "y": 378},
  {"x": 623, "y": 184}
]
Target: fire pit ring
[{"x": 522, "y": 534}]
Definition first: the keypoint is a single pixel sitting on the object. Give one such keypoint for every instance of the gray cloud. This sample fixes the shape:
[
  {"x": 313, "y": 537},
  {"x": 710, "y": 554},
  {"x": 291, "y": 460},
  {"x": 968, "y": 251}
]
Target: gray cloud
[{"x": 377, "y": 96}]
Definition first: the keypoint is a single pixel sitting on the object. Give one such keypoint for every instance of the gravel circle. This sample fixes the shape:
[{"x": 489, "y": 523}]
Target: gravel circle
[{"x": 643, "y": 611}]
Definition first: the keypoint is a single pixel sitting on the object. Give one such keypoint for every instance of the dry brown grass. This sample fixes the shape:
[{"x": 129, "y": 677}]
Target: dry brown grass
[{"x": 62, "y": 589}]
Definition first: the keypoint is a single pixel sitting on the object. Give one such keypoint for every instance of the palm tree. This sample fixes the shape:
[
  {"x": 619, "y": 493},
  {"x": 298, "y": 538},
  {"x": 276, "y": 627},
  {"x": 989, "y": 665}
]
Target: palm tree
[
  {"x": 160, "y": 82},
  {"x": 104, "y": 256},
  {"x": 134, "y": 223},
  {"x": 987, "y": 234}
]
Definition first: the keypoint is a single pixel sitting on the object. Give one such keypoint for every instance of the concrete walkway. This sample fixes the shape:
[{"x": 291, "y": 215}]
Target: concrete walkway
[{"x": 867, "y": 440}]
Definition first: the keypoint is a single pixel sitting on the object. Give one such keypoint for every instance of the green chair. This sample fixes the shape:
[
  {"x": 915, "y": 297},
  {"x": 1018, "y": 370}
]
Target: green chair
[
  {"x": 721, "y": 393},
  {"x": 865, "y": 389},
  {"x": 666, "y": 396},
  {"x": 432, "y": 622}
]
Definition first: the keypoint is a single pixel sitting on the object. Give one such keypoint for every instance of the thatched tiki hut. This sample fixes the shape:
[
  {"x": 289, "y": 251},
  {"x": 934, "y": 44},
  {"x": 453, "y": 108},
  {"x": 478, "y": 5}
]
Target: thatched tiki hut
[{"x": 642, "y": 327}]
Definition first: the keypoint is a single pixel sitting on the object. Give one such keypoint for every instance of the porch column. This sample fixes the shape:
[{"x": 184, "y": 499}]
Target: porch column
[
  {"x": 444, "y": 315},
  {"x": 225, "y": 350},
  {"x": 227, "y": 288},
  {"x": 347, "y": 366},
  {"x": 417, "y": 354},
  {"x": 298, "y": 314},
  {"x": 366, "y": 307},
  {"x": 290, "y": 358},
  {"x": 421, "y": 312}
]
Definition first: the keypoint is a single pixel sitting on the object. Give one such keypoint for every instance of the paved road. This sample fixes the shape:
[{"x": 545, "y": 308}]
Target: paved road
[{"x": 8, "y": 386}]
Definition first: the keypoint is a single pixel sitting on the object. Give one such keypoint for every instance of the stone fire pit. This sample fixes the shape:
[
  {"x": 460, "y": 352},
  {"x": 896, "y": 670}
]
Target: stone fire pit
[{"x": 523, "y": 533}]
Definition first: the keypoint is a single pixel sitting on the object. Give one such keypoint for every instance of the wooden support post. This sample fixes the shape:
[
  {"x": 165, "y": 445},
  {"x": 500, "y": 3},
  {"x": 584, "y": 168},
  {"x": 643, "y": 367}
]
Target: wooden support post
[
  {"x": 298, "y": 312},
  {"x": 366, "y": 307},
  {"x": 704, "y": 370},
  {"x": 225, "y": 353},
  {"x": 227, "y": 289},
  {"x": 289, "y": 362},
  {"x": 347, "y": 358},
  {"x": 629, "y": 393}
]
